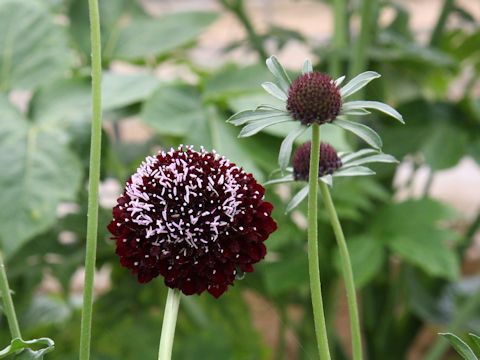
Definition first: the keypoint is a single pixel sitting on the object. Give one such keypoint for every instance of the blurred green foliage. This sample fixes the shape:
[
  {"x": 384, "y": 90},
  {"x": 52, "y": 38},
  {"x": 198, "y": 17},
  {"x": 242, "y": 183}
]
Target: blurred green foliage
[{"x": 405, "y": 256}]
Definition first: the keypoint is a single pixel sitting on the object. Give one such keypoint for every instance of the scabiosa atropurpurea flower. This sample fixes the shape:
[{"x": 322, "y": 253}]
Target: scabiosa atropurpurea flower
[
  {"x": 314, "y": 98},
  {"x": 194, "y": 218},
  {"x": 328, "y": 161}
]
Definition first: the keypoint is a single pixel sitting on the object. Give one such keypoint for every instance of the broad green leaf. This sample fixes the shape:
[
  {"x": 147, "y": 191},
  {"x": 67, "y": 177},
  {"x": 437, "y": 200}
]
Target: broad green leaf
[
  {"x": 287, "y": 273},
  {"x": 297, "y": 199},
  {"x": 286, "y": 147},
  {"x": 357, "y": 83},
  {"x": 286, "y": 178},
  {"x": 33, "y": 49},
  {"x": 274, "y": 90},
  {"x": 233, "y": 81},
  {"x": 174, "y": 110},
  {"x": 253, "y": 128},
  {"x": 362, "y": 131},
  {"x": 144, "y": 37},
  {"x": 354, "y": 171},
  {"x": 367, "y": 255},
  {"x": 39, "y": 172},
  {"x": 307, "y": 67},
  {"x": 383, "y": 158},
  {"x": 40, "y": 347},
  {"x": 245, "y": 116},
  {"x": 387, "y": 109},
  {"x": 279, "y": 72},
  {"x": 462, "y": 348}
]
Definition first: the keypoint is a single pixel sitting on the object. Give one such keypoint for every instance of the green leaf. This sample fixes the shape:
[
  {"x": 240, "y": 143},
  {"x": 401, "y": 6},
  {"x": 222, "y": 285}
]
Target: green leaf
[
  {"x": 253, "y": 128},
  {"x": 354, "y": 171},
  {"x": 383, "y": 158},
  {"x": 475, "y": 339},
  {"x": 174, "y": 110},
  {"x": 357, "y": 83},
  {"x": 43, "y": 346},
  {"x": 245, "y": 116},
  {"x": 274, "y": 90},
  {"x": 387, "y": 109},
  {"x": 287, "y": 273},
  {"x": 307, "y": 67},
  {"x": 462, "y": 348},
  {"x": 362, "y": 131},
  {"x": 297, "y": 199},
  {"x": 39, "y": 171},
  {"x": 286, "y": 147},
  {"x": 144, "y": 37},
  {"x": 357, "y": 154},
  {"x": 279, "y": 72},
  {"x": 286, "y": 178},
  {"x": 339, "y": 81},
  {"x": 33, "y": 49}
]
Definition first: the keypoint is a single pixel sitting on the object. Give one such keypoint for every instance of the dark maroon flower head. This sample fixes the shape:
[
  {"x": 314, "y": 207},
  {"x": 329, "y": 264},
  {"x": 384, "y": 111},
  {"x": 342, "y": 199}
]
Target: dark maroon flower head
[
  {"x": 192, "y": 217},
  {"x": 329, "y": 161},
  {"x": 314, "y": 98}
]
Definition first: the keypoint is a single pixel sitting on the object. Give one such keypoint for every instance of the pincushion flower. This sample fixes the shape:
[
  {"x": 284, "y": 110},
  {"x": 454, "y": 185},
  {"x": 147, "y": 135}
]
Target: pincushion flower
[
  {"x": 331, "y": 165},
  {"x": 312, "y": 98},
  {"x": 193, "y": 217}
]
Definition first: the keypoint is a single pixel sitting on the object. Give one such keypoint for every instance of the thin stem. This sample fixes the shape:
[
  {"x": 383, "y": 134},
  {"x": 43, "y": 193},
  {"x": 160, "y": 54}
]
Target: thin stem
[
  {"x": 168, "y": 326},
  {"x": 442, "y": 20},
  {"x": 94, "y": 176},
  {"x": 313, "y": 263},
  {"x": 347, "y": 273},
  {"x": 238, "y": 9},
  {"x": 8, "y": 303},
  {"x": 466, "y": 311},
  {"x": 339, "y": 36}
]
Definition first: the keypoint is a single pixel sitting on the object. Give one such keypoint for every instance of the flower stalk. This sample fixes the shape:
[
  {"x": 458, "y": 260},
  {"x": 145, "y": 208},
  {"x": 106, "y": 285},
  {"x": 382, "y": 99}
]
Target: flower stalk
[
  {"x": 313, "y": 262},
  {"x": 169, "y": 323},
  {"x": 347, "y": 272},
  {"x": 94, "y": 178},
  {"x": 9, "y": 309}
]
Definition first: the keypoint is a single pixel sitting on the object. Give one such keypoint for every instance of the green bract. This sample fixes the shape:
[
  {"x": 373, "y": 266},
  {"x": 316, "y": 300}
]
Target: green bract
[{"x": 266, "y": 115}]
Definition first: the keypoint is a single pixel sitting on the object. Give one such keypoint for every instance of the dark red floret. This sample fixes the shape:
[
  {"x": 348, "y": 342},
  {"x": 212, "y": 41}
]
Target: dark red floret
[
  {"x": 314, "y": 98},
  {"x": 328, "y": 163},
  {"x": 192, "y": 217}
]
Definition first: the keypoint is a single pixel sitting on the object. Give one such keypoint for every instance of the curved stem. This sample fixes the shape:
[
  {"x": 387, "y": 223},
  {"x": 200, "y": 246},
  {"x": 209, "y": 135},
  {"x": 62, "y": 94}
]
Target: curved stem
[
  {"x": 168, "y": 326},
  {"x": 94, "y": 177},
  {"x": 347, "y": 273},
  {"x": 313, "y": 263},
  {"x": 8, "y": 303}
]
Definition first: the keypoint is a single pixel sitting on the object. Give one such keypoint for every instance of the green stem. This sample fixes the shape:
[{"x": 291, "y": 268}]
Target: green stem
[
  {"x": 442, "y": 20},
  {"x": 94, "y": 177},
  {"x": 359, "y": 59},
  {"x": 238, "y": 9},
  {"x": 8, "y": 303},
  {"x": 168, "y": 326},
  {"x": 313, "y": 263},
  {"x": 466, "y": 311},
  {"x": 347, "y": 273},
  {"x": 339, "y": 36}
]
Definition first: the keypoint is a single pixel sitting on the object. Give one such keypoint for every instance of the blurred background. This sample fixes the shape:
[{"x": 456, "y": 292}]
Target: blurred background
[{"x": 174, "y": 71}]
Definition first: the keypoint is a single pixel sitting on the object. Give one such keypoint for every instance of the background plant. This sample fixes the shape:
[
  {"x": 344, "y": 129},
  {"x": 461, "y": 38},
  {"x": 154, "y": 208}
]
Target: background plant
[{"x": 406, "y": 255}]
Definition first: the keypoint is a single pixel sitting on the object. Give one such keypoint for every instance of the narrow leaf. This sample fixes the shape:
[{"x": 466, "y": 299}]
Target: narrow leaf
[
  {"x": 274, "y": 90},
  {"x": 357, "y": 83},
  {"x": 279, "y": 72},
  {"x": 297, "y": 199},
  {"x": 286, "y": 147},
  {"x": 383, "y": 158},
  {"x": 339, "y": 80},
  {"x": 307, "y": 67},
  {"x": 253, "y": 128},
  {"x": 462, "y": 348},
  {"x": 286, "y": 178},
  {"x": 18, "y": 344},
  {"x": 327, "y": 179},
  {"x": 362, "y": 131},
  {"x": 357, "y": 154},
  {"x": 387, "y": 109},
  {"x": 243, "y": 117},
  {"x": 354, "y": 171},
  {"x": 359, "y": 112},
  {"x": 475, "y": 339}
]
